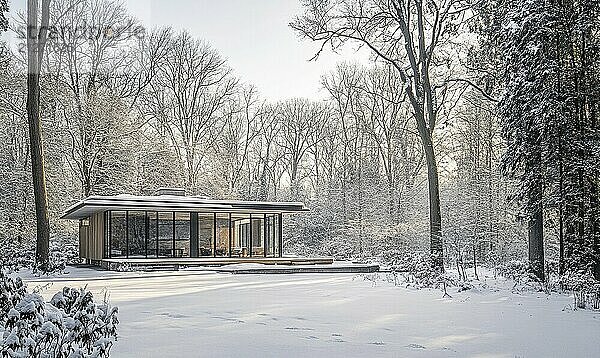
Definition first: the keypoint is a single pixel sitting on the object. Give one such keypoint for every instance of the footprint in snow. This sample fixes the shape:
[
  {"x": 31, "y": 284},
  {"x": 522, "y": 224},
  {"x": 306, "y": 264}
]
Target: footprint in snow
[
  {"x": 299, "y": 329},
  {"x": 415, "y": 346},
  {"x": 173, "y": 315},
  {"x": 234, "y": 320},
  {"x": 379, "y": 343},
  {"x": 337, "y": 340},
  {"x": 311, "y": 337}
]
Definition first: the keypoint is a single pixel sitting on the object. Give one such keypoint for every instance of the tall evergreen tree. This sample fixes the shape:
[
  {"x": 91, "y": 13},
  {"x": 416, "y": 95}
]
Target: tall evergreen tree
[
  {"x": 575, "y": 135},
  {"x": 549, "y": 112},
  {"x": 3, "y": 19}
]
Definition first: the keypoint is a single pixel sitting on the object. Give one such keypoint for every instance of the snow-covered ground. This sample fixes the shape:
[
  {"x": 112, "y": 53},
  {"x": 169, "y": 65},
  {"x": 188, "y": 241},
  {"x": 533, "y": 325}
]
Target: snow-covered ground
[{"x": 194, "y": 313}]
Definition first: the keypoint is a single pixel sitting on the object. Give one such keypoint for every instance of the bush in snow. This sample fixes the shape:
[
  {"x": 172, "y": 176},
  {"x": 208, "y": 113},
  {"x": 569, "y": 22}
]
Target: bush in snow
[
  {"x": 586, "y": 290},
  {"x": 14, "y": 255},
  {"x": 71, "y": 325},
  {"x": 524, "y": 280},
  {"x": 415, "y": 268}
]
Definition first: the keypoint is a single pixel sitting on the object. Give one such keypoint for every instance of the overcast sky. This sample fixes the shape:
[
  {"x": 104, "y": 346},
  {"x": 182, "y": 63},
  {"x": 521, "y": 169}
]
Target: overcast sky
[{"x": 253, "y": 35}]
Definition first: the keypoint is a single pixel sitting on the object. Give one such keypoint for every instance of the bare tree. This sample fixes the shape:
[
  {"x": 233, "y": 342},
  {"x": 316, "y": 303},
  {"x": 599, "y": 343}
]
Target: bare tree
[
  {"x": 407, "y": 35},
  {"x": 301, "y": 121},
  {"x": 88, "y": 57},
  {"x": 37, "y": 34},
  {"x": 187, "y": 98},
  {"x": 242, "y": 125}
]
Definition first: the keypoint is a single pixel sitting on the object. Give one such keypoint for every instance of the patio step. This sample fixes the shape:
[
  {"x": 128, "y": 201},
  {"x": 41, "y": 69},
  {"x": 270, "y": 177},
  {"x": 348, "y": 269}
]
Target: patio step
[{"x": 164, "y": 267}]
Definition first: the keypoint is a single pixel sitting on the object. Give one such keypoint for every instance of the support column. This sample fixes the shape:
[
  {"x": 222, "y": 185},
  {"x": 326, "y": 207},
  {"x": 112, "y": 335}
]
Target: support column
[
  {"x": 127, "y": 234},
  {"x": 173, "y": 242},
  {"x": 109, "y": 234},
  {"x": 230, "y": 238},
  {"x": 250, "y": 243},
  {"x": 265, "y": 235},
  {"x": 214, "y": 234},
  {"x": 273, "y": 222},
  {"x": 146, "y": 232},
  {"x": 193, "y": 234},
  {"x": 280, "y": 229}
]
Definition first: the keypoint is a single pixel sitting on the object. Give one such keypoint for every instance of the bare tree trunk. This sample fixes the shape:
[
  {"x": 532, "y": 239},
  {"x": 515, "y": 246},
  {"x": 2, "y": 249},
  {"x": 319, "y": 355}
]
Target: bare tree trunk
[
  {"x": 435, "y": 215},
  {"x": 36, "y": 39},
  {"x": 536, "y": 239}
]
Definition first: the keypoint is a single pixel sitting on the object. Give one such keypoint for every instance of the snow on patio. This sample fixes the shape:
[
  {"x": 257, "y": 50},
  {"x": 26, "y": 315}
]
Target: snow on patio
[{"x": 194, "y": 313}]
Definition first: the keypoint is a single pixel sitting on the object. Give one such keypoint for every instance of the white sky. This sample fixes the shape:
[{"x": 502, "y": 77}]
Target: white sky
[{"x": 253, "y": 35}]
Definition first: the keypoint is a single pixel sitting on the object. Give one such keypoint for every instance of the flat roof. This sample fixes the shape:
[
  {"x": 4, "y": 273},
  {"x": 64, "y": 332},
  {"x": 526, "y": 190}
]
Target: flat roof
[{"x": 94, "y": 204}]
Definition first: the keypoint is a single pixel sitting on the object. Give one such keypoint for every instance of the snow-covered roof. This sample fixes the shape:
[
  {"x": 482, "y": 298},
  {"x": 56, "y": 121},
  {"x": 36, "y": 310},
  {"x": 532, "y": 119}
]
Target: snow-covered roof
[{"x": 93, "y": 204}]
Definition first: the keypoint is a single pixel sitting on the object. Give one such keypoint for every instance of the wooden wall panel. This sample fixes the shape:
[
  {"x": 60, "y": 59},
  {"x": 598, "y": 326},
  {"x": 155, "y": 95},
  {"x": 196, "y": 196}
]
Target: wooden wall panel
[
  {"x": 91, "y": 238},
  {"x": 83, "y": 240}
]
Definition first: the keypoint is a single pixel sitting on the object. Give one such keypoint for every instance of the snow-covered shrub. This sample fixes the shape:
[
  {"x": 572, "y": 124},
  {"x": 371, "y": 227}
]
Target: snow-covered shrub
[
  {"x": 520, "y": 272},
  {"x": 586, "y": 290},
  {"x": 514, "y": 269},
  {"x": 71, "y": 325},
  {"x": 14, "y": 257},
  {"x": 415, "y": 268},
  {"x": 63, "y": 251}
]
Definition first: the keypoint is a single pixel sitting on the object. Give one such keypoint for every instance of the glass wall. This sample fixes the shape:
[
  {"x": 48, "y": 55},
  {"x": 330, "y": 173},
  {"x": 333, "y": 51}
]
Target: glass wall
[
  {"x": 258, "y": 229},
  {"x": 205, "y": 234},
  {"x": 222, "y": 234},
  {"x": 165, "y": 234},
  {"x": 270, "y": 235},
  {"x": 152, "y": 246},
  {"x": 240, "y": 235},
  {"x": 182, "y": 235},
  {"x": 137, "y": 234},
  {"x": 277, "y": 226},
  {"x": 118, "y": 239}
]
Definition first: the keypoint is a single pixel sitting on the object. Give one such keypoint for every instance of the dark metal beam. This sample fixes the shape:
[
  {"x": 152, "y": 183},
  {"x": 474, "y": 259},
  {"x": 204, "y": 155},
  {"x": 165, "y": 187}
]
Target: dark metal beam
[
  {"x": 265, "y": 235},
  {"x": 214, "y": 234},
  {"x": 250, "y": 245},
  {"x": 230, "y": 231},
  {"x": 127, "y": 234},
  {"x": 146, "y": 232},
  {"x": 280, "y": 229},
  {"x": 173, "y": 243}
]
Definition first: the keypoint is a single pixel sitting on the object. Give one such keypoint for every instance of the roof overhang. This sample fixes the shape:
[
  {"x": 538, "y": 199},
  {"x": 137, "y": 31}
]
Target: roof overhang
[{"x": 94, "y": 204}]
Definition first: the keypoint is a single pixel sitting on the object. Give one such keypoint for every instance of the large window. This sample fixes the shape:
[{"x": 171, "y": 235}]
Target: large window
[
  {"x": 258, "y": 235},
  {"x": 240, "y": 224},
  {"x": 222, "y": 234},
  {"x": 182, "y": 235},
  {"x": 118, "y": 239},
  {"x": 152, "y": 246},
  {"x": 270, "y": 235},
  {"x": 165, "y": 234},
  {"x": 205, "y": 234},
  {"x": 137, "y": 233},
  {"x": 278, "y": 235}
]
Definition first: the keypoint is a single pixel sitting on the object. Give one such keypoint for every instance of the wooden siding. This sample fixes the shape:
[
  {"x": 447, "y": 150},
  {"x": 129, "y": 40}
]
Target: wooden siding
[{"x": 91, "y": 238}]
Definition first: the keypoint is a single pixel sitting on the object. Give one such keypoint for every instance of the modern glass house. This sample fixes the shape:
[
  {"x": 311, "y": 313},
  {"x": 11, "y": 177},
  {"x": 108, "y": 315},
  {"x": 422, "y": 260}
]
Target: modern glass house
[{"x": 170, "y": 225}]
